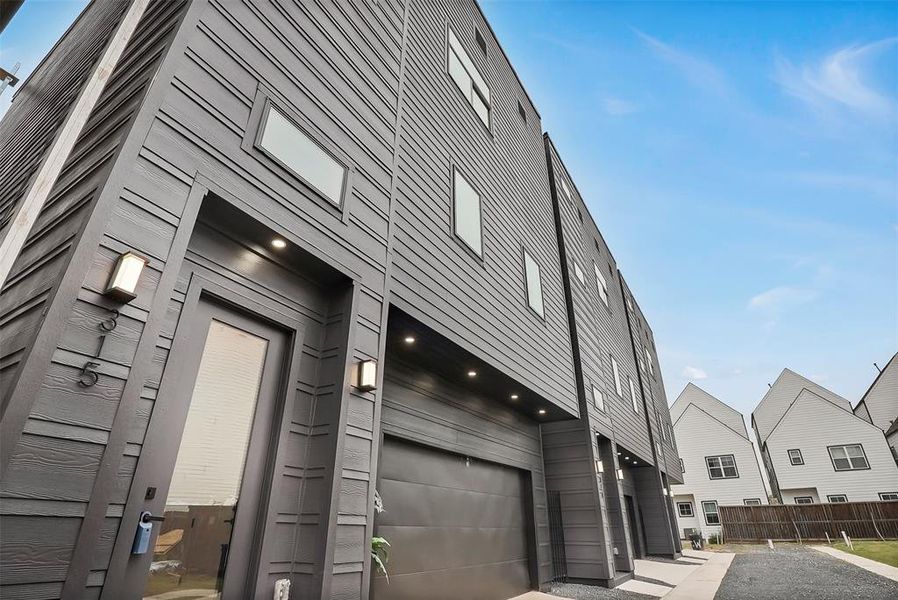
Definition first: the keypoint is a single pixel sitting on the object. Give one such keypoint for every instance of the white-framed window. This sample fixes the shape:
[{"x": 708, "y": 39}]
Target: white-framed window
[
  {"x": 684, "y": 509},
  {"x": 601, "y": 284},
  {"x": 617, "y": 385},
  {"x": 849, "y": 457},
  {"x": 837, "y": 498},
  {"x": 598, "y": 399},
  {"x": 709, "y": 508},
  {"x": 534, "y": 284},
  {"x": 633, "y": 399},
  {"x": 468, "y": 78},
  {"x": 578, "y": 273},
  {"x": 752, "y": 502},
  {"x": 803, "y": 500},
  {"x": 722, "y": 466},
  {"x": 566, "y": 189},
  {"x": 888, "y": 495},
  {"x": 466, "y": 213},
  {"x": 284, "y": 141},
  {"x": 648, "y": 359},
  {"x": 795, "y": 457}
]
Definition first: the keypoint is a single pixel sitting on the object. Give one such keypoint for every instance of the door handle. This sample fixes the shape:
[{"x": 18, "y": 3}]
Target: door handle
[{"x": 148, "y": 517}]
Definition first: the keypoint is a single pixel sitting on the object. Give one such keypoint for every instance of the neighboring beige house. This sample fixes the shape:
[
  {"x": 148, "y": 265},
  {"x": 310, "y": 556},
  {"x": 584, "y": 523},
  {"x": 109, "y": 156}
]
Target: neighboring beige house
[
  {"x": 719, "y": 462},
  {"x": 880, "y": 404},
  {"x": 816, "y": 449}
]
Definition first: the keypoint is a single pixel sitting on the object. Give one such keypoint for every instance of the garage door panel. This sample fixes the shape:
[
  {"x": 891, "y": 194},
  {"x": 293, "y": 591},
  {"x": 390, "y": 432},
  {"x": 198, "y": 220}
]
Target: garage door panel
[
  {"x": 481, "y": 582},
  {"x": 423, "y": 548},
  {"x": 447, "y": 507}
]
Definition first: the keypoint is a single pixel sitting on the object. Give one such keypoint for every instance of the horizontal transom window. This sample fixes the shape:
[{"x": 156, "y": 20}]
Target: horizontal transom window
[
  {"x": 722, "y": 467},
  {"x": 849, "y": 457}
]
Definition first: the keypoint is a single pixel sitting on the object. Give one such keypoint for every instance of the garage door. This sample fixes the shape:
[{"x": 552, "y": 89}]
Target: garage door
[{"x": 456, "y": 526}]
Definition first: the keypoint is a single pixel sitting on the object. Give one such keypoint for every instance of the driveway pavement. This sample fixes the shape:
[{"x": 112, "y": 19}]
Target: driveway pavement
[{"x": 800, "y": 573}]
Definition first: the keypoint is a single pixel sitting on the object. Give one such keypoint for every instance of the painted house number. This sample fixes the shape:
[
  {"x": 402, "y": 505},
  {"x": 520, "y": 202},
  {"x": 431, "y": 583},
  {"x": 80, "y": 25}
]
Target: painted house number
[{"x": 88, "y": 376}]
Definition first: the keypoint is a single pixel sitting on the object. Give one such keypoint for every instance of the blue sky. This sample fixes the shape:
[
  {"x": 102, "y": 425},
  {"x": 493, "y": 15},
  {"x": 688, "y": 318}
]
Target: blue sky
[{"x": 740, "y": 159}]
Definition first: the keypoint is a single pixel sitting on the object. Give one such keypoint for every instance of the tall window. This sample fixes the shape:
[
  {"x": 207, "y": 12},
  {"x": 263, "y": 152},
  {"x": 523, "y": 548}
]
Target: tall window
[
  {"x": 684, "y": 509},
  {"x": 601, "y": 283},
  {"x": 682, "y": 466},
  {"x": 722, "y": 467},
  {"x": 709, "y": 507},
  {"x": 850, "y": 457},
  {"x": 837, "y": 498},
  {"x": 578, "y": 273},
  {"x": 534, "y": 284},
  {"x": 466, "y": 213},
  {"x": 289, "y": 145},
  {"x": 648, "y": 359},
  {"x": 566, "y": 189},
  {"x": 633, "y": 399},
  {"x": 617, "y": 386},
  {"x": 598, "y": 399},
  {"x": 795, "y": 457},
  {"x": 468, "y": 79}
]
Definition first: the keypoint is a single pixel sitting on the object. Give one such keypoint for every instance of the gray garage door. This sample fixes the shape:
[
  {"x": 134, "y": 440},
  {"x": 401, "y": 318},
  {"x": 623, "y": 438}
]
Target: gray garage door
[{"x": 456, "y": 526}]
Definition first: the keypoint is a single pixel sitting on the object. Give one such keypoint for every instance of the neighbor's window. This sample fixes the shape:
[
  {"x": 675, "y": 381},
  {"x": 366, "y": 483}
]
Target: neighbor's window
[
  {"x": 598, "y": 399},
  {"x": 803, "y": 500},
  {"x": 722, "y": 467},
  {"x": 534, "y": 285},
  {"x": 837, "y": 498},
  {"x": 616, "y": 371},
  {"x": 633, "y": 399},
  {"x": 284, "y": 141},
  {"x": 578, "y": 273},
  {"x": 466, "y": 213},
  {"x": 850, "y": 457},
  {"x": 601, "y": 283},
  {"x": 888, "y": 495},
  {"x": 795, "y": 457},
  {"x": 752, "y": 502},
  {"x": 709, "y": 507},
  {"x": 685, "y": 509},
  {"x": 468, "y": 79},
  {"x": 682, "y": 466}
]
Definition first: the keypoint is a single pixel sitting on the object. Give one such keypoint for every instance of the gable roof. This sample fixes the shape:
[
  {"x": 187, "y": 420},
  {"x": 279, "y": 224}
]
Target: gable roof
[
  {"x": 880, "y": 401},
  {"x": 696, "y": 409},
  {"x": 780, "y": 397},
  {"x": 692, "y": 395},
  {"x": 806, "y": 393}
]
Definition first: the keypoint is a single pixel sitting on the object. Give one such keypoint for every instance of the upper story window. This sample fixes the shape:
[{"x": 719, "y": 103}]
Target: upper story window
[
  {"x": 803, "y": 500},
  {"x": 468, "y": 79},
  {"x": 629, "y": 304},
  {"x": 617, "y": 386},
  {"x": 795, "y": 457},
  {"x": 633, "y": 396},
  {"x": 682, "y": 466},
  {"x": 849, "y": 457},
  {"x": 648, "y": 359},
  {"x": 601, "y": 283},
  {"x": 566, "y": 189},
  {"x": 598, "y": 399},
  {"x": 521, "y": 111},
  {"x": 289, "y": 145},
  {"x": 888, "y": 495},
  {"x": 837, "y": 498},
  {"x": 578, "y": 272},
  {"x": 481, "y": 41},
  {"x": 466, "y": 213},
  {"x": 534, "y": 284},
  {"x": 722, "y": 467},
  {"x": 752, "y": 502}
]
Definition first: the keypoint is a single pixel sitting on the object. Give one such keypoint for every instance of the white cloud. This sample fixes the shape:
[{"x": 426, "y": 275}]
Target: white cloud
[
  {"x": 694, "y": 373},
  {"x": 617, "y": 107},
  {"x": 698, "y": 71},
  {"x": 838, "y": 80},
  {"x": 781, "y": 298}
]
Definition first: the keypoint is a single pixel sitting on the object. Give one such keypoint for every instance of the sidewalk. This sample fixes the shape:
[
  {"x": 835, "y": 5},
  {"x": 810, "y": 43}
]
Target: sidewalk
[
  {"x": 702, "y": 584},
  {"x": 873, "y": 566}
]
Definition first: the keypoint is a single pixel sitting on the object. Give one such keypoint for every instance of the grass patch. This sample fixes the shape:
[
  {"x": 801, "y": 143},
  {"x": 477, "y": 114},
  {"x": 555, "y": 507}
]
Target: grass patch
[{"x": 884, "y": 552}]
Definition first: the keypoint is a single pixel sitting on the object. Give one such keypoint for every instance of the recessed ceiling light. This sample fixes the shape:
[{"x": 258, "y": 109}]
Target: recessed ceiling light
[
  {"x": 542, "y": 411},
  {"x": 278, "y": 243},
  {"x": 626, "y": 458},
  {"x": 514, "y": 396},
  {"x": 409, "y": 339},
  {"x": 472, "y": 373}
]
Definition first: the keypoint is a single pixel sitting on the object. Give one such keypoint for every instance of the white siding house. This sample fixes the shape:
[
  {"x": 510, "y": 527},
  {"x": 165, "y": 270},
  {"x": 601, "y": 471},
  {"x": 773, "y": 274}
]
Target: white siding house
[
  {"x": 719, "y": 461},
  {"x": 816, "y": 449},
  {"x": 880, "y": 404}
]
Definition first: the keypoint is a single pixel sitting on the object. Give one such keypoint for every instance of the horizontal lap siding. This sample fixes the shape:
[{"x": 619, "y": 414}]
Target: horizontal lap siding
[
  {"x": 481, "y": 306},
  {"x": 53, "y": 469}
]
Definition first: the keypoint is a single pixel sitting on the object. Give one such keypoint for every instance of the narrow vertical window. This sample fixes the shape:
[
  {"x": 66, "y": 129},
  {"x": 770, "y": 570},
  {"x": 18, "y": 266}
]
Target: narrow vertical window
[
  {"x": 468, "y": 78},
  {"x": 534, "y": 284},
  {"x": 617, "y": 385},
  {"x": 578, "y": 273},
  {"x": 566, "y": 189},
  {"x": 601, "y": 284},
  {"x": 466, "y": 204},
  {"x": 709, "y": 507},
  {"x": 598, "y": 399},
  {"x": 633, "y": 396},
  {"x": 648, "y": 359}
]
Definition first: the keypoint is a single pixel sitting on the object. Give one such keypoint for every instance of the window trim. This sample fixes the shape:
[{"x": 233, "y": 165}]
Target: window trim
[
  {"x": 800, "y": 457},
  {"x": 751, "y": 501},
  {"x": 829, "y": 449},
  {"x": 716, "y": 512},
  {"x": 472, "y": 251},
  {"x": 797, "y": 498},
  {"x": 895, "y": 499},
  {"x": 524, "y": 255},
  {"x": 680, "y": 510},
  {"x": 600, "y": 405},
  {"x": 263, "y": 101},
  {"x": 829, "y": 498},
  {"x": 722, "y": 469}
]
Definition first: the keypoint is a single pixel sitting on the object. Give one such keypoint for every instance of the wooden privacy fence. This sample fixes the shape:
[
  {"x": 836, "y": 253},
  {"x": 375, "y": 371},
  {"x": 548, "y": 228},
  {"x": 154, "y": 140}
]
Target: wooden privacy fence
[{"x": 800, "y": 522}]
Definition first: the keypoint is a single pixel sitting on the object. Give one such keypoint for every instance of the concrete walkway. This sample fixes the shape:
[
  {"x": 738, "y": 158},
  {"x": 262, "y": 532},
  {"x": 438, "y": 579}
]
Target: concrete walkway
[
  {"x": 873, "y": 566},
  {"x": 702, "y": 584}
]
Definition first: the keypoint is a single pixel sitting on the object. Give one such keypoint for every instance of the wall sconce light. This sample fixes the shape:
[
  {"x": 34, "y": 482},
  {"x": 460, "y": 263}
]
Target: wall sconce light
[
  {"x": 366, "y": 375},
  {"x": 600, "y": 468},
  {"x": 620, "y": 474},
  {"x": 664, "y": 491},
  {"x": 125, "y": 275}
]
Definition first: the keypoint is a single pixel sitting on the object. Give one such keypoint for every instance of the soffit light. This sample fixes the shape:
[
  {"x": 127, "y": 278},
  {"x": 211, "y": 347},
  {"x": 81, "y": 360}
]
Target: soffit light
[
  {"x": 125, "y": 276},
  {"x": 542, "y": 411},
  {"x": 279, "y": 243},
  {"x": 514, "y": 396},
  {"x": 409, "y": 339},
  {"x": 472, "y": 373}
]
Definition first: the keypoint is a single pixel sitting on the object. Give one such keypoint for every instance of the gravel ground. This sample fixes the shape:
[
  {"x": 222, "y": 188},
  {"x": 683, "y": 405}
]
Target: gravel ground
[
  {"x": 800, "y": 573},
  {"x": 594, "y": 592}
]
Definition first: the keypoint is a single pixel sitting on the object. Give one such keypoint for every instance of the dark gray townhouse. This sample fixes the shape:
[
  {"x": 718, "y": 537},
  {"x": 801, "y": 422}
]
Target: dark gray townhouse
[{"x": 318, "y": 261}]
